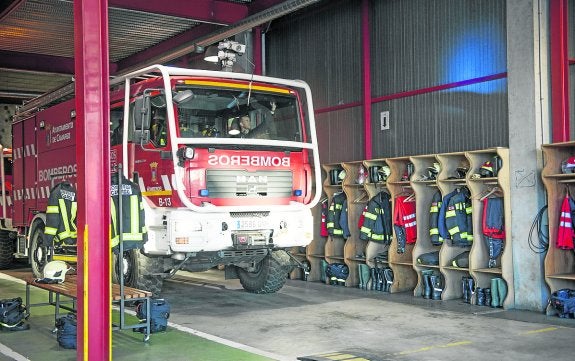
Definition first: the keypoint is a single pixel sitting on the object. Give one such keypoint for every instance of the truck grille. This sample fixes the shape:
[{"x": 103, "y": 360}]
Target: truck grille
[{"x": 224, "y": 183}]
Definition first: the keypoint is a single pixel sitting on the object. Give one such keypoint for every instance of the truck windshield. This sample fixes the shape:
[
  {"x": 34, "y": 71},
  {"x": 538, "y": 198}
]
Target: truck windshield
[{"x": 230, "y": 113}]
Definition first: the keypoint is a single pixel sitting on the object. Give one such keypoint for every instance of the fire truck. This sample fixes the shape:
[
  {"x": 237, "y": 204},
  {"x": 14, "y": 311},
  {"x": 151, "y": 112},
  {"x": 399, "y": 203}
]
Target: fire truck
[{"x": 227, "y": 165}]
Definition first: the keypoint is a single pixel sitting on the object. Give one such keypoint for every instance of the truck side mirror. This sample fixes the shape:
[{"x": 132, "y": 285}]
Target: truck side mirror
[{"x": 142, "y": 113}]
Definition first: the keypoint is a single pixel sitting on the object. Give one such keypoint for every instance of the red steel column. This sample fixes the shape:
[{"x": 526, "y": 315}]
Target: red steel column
[
  {"x": 559, "y": 70},
  {"x": 366, "y": 59},
  {"x": 92, "y": 154}
]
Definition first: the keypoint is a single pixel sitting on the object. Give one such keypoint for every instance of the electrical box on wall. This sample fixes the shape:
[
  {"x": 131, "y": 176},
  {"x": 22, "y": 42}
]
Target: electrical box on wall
[{"x": 384, "y": 120}]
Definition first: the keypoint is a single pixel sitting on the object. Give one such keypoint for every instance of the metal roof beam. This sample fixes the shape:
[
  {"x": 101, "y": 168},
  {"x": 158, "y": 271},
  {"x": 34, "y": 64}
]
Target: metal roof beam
[
  {"x": 208, "y": 11},
  {"x": 158, "y": 51},
  {"x": 36, "y": 62}
]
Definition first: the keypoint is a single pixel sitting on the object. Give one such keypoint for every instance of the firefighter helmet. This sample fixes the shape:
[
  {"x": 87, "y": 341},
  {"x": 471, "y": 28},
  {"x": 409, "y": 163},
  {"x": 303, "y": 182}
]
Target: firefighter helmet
[
  {"x": 568, "y": 165},
  {"x": 461, "y": 172},
  {"x": 56, "y": 271},
  {"x": 486, "y": 169},
  {"x": 433, "y": 171},
  {"x": 384, "y": 172}
]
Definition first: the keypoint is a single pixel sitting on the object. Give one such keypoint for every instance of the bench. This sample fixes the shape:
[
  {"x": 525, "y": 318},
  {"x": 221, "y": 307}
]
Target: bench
[{"x": 68, "y": 289}]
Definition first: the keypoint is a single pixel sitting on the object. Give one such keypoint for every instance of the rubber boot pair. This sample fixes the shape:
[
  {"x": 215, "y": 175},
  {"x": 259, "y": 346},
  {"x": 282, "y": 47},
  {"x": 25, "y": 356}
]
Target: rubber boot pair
[
  {"x": 426, "y": 289},
  {"x": 364, "y": 272},
  {"x": 498, "y": 292}
]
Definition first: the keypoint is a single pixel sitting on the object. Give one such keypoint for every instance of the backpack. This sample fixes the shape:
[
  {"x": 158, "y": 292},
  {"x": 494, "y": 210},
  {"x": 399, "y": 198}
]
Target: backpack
[
  {"x": 160, "y": 312},
  {"x": 13, "y": 314},
  {"x": 66, "y": 327}
]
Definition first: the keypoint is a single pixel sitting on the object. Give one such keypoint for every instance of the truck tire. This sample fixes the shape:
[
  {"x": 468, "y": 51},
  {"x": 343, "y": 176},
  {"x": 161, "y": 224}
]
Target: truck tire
[
  {"x": 270, "y": 274},
  {"x": 38, "y": 251},
  {"x": 141, "y": 272},
  {"x": 6, "y": 249}
]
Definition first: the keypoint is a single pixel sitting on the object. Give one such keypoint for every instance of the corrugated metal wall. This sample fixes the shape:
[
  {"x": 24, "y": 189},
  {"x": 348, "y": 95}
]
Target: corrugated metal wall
[
  {"x": 323, "y": 47},
  {"x": 415, "y": 44}
]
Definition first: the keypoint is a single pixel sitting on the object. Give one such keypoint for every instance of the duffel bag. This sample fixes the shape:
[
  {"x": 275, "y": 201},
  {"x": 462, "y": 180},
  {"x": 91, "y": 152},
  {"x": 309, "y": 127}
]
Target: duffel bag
[{"x": 13, "y": 314}]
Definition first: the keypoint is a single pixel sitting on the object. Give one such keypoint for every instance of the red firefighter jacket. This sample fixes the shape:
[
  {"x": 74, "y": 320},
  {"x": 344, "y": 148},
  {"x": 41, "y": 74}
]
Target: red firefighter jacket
[{"x": 404, "y": 216}]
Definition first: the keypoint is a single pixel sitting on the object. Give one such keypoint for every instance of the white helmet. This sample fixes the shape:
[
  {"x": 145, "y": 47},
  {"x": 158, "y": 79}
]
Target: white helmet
[{"x": 56, "y": 270}]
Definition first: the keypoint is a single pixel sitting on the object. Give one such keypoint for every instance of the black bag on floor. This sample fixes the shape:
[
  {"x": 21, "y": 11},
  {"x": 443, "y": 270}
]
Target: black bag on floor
[
  {"x": 66, "y": 331},
  {"x": 13, "y": 314},
  {"x": 160, "y": 312}
]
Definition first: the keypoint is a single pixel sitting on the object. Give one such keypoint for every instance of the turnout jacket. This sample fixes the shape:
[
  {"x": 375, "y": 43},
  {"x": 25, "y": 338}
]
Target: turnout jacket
[
  {"x": 61, "y": 215},
  {"x": 434, "y": 209},
  {"x": 458, "y": 220},
  {"x": 131, "y": 213},
  {"x": 337, "y": 216},
  {"x": 377, "y": 225}
]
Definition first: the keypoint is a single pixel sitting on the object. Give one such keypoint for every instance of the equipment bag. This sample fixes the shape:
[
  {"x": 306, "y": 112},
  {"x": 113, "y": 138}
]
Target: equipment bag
[
  {"x": 160, "y": 312},
  {"x": 337, "y": 271},
  {"x": 563, "y": 301},
  {"x": 66, "y": 327},
  {"x": 12, "y": 314}
]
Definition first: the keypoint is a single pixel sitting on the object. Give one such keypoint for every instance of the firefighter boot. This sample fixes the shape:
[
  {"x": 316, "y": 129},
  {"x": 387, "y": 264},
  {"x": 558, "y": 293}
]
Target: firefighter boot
[
  {"x": 426, "y": 285},
  {"x": 435, "y": 281},
  {"x": 388, "y": 276},
  {"x": 502, "y": 290},
  {"x": 380, "y": 279},
  {"x": 364, "y": 275},
  {"x": 480, "y": 296},
  {"x": 373, "y": 272},
  {"x": 494, "y": 293},
  {"x": 360, "y": 276},
  {"x": 466, "y": 295},
  {"x": 323, "y": 271},
  {"x": 487, "y": 292},
  {"x": 470, "y": 289}
]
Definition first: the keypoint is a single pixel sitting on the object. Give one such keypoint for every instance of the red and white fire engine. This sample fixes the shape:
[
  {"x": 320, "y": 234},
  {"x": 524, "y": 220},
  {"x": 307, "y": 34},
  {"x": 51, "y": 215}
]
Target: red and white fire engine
[{"x": 227, "y": 164}]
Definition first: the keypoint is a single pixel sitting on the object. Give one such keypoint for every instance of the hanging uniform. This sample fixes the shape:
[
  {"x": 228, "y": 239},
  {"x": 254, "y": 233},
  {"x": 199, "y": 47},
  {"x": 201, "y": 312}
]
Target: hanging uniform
[
  {"x": 404, "y": 222},
  {"x": 61, "y": 216},
  {"x": 458, "y": 218},
  {"x": 493, "y": 227},
  {"x": 565, "y": 231},
  {"x": 134, "y": 233},
  {"x": 434, "y": 209},
  {"x": 377, "y": 224},
  {"x": 337, "y": 216}
]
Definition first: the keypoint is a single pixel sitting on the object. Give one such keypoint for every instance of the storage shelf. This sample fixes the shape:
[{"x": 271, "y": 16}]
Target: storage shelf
[
  {"x": 563, "y": 276},
  {"x": 407, "y": 273},
  {"x": 494, "y": 270}
]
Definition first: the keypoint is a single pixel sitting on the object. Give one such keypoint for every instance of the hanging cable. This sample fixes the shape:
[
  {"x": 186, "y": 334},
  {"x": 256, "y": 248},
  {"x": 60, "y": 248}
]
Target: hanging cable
[{"x": 543, "y": 237}]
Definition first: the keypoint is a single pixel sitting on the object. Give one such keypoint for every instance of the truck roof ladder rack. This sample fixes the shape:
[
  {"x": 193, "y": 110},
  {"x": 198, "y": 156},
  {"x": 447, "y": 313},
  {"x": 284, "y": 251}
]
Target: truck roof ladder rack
[{"x": 56, "y": 96}]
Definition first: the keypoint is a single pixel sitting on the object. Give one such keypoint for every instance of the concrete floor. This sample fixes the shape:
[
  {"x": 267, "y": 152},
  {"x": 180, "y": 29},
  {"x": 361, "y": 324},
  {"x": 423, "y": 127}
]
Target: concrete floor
[{"x": 311, "y": 319}]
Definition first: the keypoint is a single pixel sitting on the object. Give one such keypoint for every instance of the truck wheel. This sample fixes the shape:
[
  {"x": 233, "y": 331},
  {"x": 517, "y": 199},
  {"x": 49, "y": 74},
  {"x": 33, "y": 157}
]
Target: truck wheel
[
  {"x": 141, "y": 272},
  {"x": 6, "y": 249},
  {"x": 38, "y": 251},
  {"x": 269, "y": 276}
]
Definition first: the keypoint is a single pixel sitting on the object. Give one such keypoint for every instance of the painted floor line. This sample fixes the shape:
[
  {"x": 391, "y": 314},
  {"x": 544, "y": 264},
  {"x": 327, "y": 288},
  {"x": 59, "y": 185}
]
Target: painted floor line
[{"x": 7, "y": 351}]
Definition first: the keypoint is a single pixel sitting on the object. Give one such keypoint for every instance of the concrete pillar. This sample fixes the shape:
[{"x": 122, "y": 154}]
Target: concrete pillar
[{"x": 529, "y": 122}]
